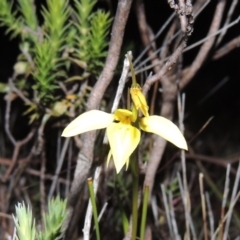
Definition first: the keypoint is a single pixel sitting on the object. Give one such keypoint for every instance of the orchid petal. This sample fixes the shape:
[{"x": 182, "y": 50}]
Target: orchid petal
[
  {"x": 164, "y": 128},
  {"x": 123, "y": 116},
  {"x": 123, "y": 140},
  {"x": 139, "y": 100},
  {"x": 88, "y": 121}
]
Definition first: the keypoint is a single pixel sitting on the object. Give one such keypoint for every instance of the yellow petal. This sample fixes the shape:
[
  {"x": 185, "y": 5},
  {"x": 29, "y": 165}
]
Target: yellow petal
[
  {"x": 123, "y": 140},
  {"x": 164, "y": 128},
  {"x": 139, "y": 99},
  {"x": 123, "y": 116},
  {"x": 88, "y": 121}
]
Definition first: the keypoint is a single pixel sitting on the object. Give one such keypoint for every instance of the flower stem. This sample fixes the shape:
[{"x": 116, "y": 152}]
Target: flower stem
[
  {"x": 134, "y": 81},
  {"x": 94, "y": 207},
  {"x": 144, "y": 212},
  {"x": 134, "y": 168}
]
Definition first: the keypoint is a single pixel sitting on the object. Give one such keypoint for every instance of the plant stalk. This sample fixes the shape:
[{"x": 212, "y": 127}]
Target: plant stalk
[
  {"x": 144, "y": 212},
  {"x": 94, "y": 207}
]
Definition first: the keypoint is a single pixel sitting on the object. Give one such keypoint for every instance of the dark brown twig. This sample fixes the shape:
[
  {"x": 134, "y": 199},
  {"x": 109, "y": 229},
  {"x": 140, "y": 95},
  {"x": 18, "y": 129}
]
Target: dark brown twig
[
  {"x": 16, "y": 151},
  {"x": 7, "y": 115},
  {"x": 228, "y": 47},
  {"x": 228, "y": 18},
  {"x": 190, "y": 72},
  {"x": 168, "y": 65}
]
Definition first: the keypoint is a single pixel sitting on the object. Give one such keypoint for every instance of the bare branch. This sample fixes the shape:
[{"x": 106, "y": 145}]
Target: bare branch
[
  {"x": 234, "y": 43},
  {"x": 204, "y": 50}
]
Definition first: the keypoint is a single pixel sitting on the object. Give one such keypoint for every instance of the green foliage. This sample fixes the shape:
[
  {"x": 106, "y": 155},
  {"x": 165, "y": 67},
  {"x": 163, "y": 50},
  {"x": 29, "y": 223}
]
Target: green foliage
[
  {"x": 56, "y": 28},
  {"x": 53, "y": 221},
  {"x": 27, "y": 9},
  {"x": 82, "y": 13},
  {"x": 92, "y": 31},
  {"x": 9, "y": 18},
  {"x": 49, "y": 49},
  {"x": 100, "y": 23},
  {"x": 24, "y": 223},
  {"x": 45, "y": 75}
]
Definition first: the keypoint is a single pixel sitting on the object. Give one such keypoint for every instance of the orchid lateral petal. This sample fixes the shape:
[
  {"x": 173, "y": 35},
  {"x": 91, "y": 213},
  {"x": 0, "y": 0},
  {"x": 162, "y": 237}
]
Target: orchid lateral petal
[
  {"x": 123, "y": 140},
  {"x": 88, "y": 121},
  {"x": 164, "y": 128}
]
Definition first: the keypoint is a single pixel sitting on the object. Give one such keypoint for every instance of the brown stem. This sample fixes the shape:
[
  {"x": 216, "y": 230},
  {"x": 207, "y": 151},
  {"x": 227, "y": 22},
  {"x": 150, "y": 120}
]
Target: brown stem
[
  {"x": 17, "y": 148},
  {"x": 228, "y": 47},
  {"x": 191, "y": 71}
]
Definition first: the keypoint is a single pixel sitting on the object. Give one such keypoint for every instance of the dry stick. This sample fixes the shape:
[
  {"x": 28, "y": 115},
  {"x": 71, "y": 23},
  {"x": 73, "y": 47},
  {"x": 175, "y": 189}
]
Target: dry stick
[
  {"x": 155, "y": 210},
  {"x": 31, "y": 171},
  {"x": 204, "y": 50},
  {"x": 7, "y": 115},
  {"x": 228, "y": 47},
  {"x": 228, "y": 215},
  {"x": 189, "y": 218},
  {"x": 42, "y": 183},
  {"x": 172, "y": 60},
  {"x": 102, "y": 211},
  {"x": 42, "y": 151},
  {"x": 163, "y": 54},
  {"x": 235, "y": 44},
  {"x": 167, "y": 210},
  {"x": 46, "y": 176},
  {"x": 228, "y": 18},
  {"x": 162, "y": 47},
  {"x": 18, "y": 92},
  {"x": 59, "y": 167},
  {"x": 224, "y": 200},
  {"x": 219, "y": 161},
  {"x": 234, "y": 192},
  {"x": 173, "y": 219},
  {"x": 88, "y": 216},
  {"x": 145, "y": 34},
  {"x": 232, "y": 45},
  {"x": 233, "y": 23},
  {"x": 210, "y": 214},
  {"x": 204, "y": 214},
  {"x": 16, "y": 151},
  {"x": 181, "y": 107},
  {"x": 69, "y": 161},
  {"x": 122, "y": 82},
  {"x": 85, "y": 157},
  {"x": 157, "y": 35}
]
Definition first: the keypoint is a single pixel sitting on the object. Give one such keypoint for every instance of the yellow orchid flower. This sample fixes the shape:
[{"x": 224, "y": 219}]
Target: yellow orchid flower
[
  {"x": 122, "y": 135},
  {"x": 139, "y": 99}
]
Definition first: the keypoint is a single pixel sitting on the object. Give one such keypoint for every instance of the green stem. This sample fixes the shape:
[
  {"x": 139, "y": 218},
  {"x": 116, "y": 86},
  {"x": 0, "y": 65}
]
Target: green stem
[
  {"x": 94, "y": 207},
  {"x": 134, "y": 81},
  {"x": 134, "y": 168},
  {"x": 144, "y": 212},
  {"x": 125, "y": 222}
]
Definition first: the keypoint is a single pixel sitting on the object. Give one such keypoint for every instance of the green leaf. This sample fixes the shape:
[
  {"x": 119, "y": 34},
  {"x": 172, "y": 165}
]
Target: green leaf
[{"x": 24, "y": 222}]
